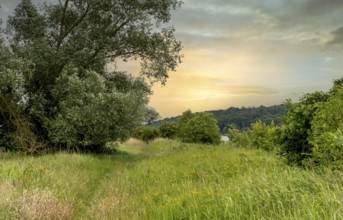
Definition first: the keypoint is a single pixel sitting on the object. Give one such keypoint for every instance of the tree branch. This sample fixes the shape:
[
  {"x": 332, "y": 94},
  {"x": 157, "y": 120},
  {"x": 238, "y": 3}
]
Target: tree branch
[
  {"x": 61, "y": 37},
  {"x": 78, "y": 21}
]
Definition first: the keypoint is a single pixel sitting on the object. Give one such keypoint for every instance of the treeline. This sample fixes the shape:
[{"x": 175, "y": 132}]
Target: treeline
[{"x": 241, "y": 118}]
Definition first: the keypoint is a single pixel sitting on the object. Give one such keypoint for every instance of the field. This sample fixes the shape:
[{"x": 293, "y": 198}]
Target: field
[{"x": 166, "y": 180}]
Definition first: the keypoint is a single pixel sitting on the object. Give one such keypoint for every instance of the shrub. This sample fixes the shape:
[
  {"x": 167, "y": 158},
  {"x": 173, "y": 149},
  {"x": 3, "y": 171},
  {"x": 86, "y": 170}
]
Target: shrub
[
  {"x": 198, "y": 128},
  {"x": 312, "y": 130},
  {"x": 263, "y": 136},
  {"x": 238, "y": 138},
  {"x": 328, "y": 151},
  {"x": 297, "y": 127},
  {"x": 146, "y": 134},
  {"x": 259, "y": 135},
  {"x": 327, "y": 127},
  {"x": 168, "y": 130}
]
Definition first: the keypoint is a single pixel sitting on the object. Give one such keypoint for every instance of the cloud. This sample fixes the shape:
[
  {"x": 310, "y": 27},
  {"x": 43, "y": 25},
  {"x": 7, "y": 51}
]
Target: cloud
[
  {"x": 320, "y": 7},
  {"x": 251, "y": 90},
  {"x": 337, "y": 37},
  {"x": 194, "y": 87},
  {"x": 301, "y": 22}
]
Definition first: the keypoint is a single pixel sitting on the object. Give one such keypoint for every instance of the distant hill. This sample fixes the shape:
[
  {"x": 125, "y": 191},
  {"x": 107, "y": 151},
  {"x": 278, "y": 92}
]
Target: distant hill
[{"x": 241, "y": 118}]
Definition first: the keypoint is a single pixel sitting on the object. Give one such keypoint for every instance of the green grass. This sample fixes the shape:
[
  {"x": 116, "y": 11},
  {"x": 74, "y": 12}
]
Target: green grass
[{"x": 166, "y": 180}]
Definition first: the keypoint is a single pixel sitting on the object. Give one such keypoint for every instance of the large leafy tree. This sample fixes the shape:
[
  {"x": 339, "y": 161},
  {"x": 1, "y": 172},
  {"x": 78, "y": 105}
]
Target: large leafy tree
[{"x": 56, "y": 83}]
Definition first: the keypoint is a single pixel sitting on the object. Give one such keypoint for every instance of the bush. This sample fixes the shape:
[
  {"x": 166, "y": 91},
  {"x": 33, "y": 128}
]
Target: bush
[
  {"x": 312, "y": 131},
  {"x": 198, "y": 128},
  {"x": 263, "y": 136},
  {"x": 297, "y": 127},
  {"x": 329, "y": 151},
  {"x": 168, "y": 130},
  {"x": 147, "y": 134},
  {"x": 238, "y": 138},
  {"x": 259, "y": 135},
  {"x": 327, "y": 127}
]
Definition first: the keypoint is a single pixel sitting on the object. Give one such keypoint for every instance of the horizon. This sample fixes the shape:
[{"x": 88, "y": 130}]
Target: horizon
[{"x": 243, "y": 53}]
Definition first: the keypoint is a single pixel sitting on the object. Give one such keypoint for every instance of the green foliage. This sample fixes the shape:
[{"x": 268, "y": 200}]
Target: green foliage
[
  {"x": 168, "y": 130},
  {"x": 263, "y": 136},
  {"x": 198, "y": 128},
  {"x": 238, "y": 138},
  {"x": 92, "y": 111},
  {"x": 185, "y": 118},
  {"x": 259, "y": 136},
  {"x": 146, "y": 134},
  {"x": 297, "y": 127},
  {"x": 55, "y": 85},
  {"x": 15, "y": 127},
  {"x": 311, "y": 134},
  {"x": 327, "y": 127}
]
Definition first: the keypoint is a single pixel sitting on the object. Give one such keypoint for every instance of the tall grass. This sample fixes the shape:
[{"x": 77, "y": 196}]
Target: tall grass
[{"x": 167, "y": 180}]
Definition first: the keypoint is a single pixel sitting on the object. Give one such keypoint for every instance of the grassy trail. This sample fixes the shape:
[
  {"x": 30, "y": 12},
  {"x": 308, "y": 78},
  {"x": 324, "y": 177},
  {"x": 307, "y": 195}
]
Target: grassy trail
[{"x": 166, "y": 180}]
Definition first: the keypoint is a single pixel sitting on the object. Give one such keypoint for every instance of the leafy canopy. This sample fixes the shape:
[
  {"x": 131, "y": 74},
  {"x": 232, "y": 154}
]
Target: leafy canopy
[{"x": 56, "y": 88}]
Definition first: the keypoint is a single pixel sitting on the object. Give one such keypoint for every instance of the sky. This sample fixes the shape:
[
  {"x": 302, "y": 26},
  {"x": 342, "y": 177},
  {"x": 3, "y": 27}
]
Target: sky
[{"x": 248, "y": 53}]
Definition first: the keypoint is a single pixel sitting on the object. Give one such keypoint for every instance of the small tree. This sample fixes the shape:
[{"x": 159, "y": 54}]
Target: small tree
[
  {"x": 199, "y": 128},
  {"x": 182, "y": 124},
  {"x": 168, "y": 130}
]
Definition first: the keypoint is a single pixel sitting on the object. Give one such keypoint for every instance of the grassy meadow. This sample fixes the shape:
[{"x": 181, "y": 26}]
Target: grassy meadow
[{"x": 166, "y": 180}]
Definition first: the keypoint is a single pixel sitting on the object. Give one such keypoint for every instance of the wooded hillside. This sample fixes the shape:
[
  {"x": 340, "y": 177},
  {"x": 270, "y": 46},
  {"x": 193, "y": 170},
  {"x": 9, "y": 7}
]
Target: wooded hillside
[{"x": 241, "y": 118}]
